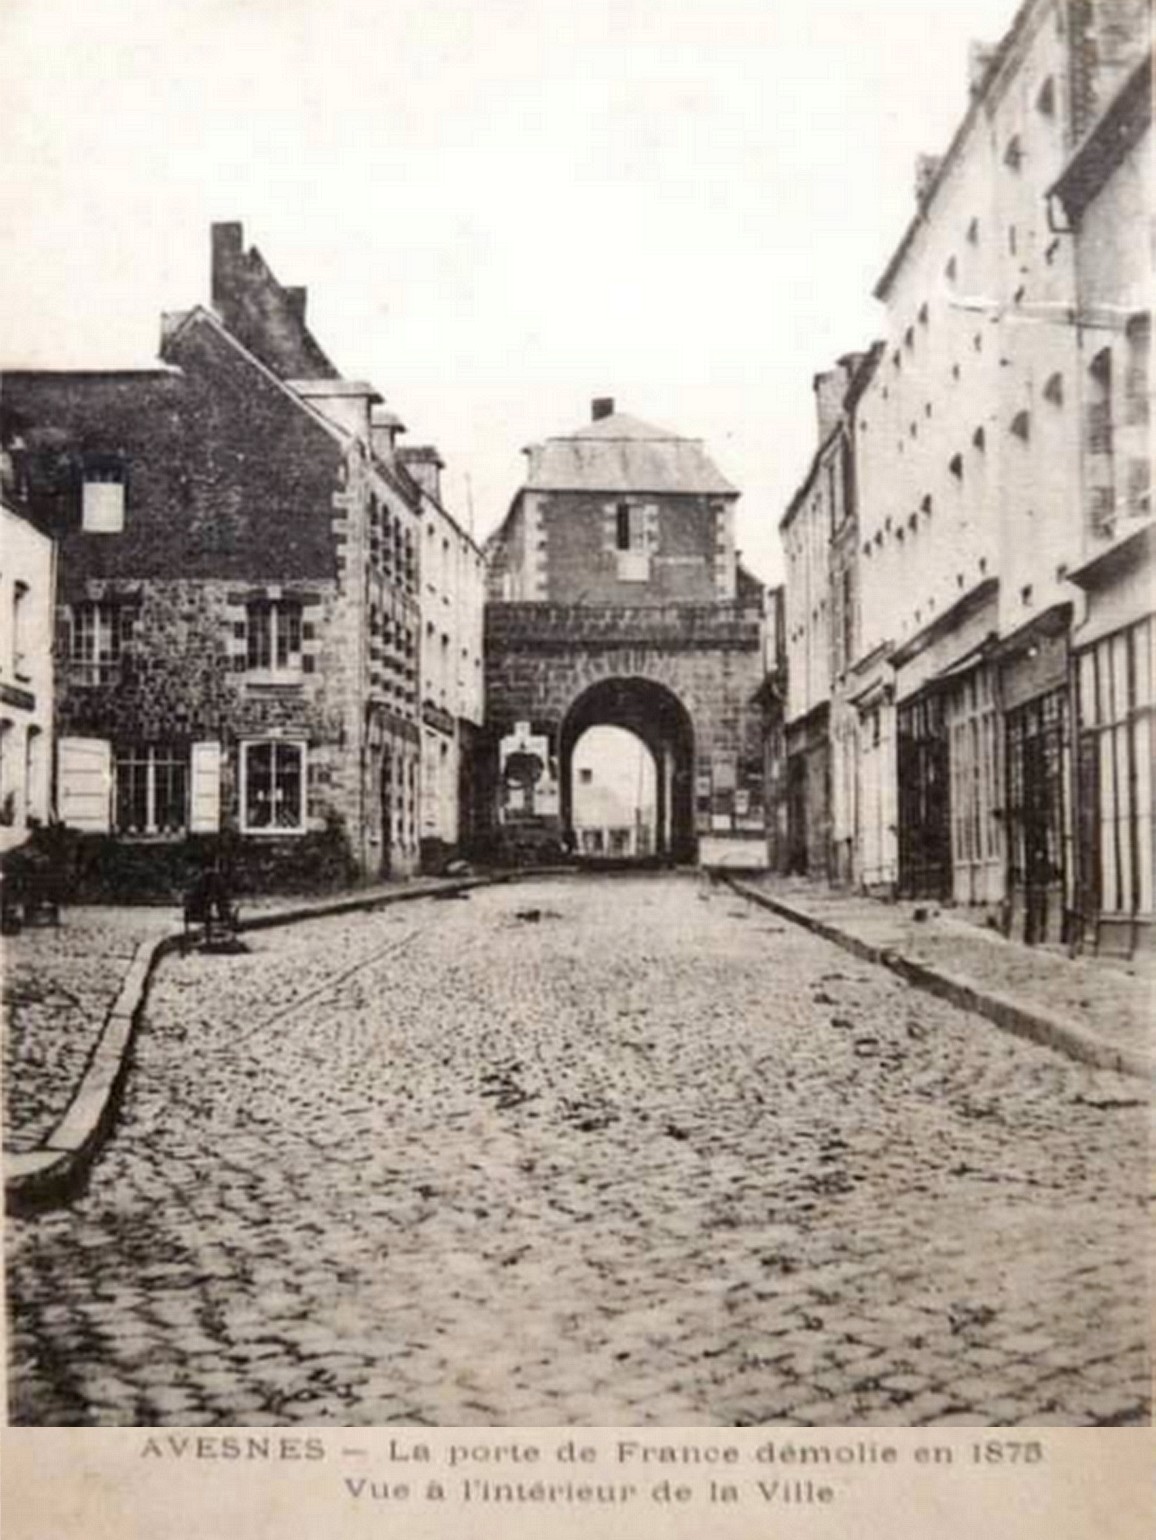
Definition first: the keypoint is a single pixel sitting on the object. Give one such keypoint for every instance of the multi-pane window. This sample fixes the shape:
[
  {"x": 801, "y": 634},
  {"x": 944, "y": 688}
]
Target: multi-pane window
[
  {"x": 273, "y": 635},
  {"x": 152, "y": 789},
  {"x": 1117, "y": 695},
  {"x": 273, "y": 787},
  {"x": 100, "y": 631}
]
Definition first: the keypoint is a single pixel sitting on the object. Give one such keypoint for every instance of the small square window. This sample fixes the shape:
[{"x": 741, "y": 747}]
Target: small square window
[{"x": 102, "y": 495}]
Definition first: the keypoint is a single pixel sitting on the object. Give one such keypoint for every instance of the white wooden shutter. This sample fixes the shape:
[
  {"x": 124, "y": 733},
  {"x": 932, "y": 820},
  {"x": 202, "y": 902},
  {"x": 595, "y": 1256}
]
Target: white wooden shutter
[
  {"x": 84, "y": 784},
  {"x": 205, "y": 788}
]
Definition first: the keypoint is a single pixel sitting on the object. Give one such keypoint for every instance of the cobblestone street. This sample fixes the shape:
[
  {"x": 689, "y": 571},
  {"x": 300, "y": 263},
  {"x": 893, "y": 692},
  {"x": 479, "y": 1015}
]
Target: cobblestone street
[{"x": 587, "y": 1151}]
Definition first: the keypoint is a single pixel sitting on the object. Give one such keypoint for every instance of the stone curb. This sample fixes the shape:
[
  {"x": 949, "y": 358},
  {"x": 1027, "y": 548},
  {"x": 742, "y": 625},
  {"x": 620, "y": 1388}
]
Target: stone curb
[
  {"x": 53, "y": 1173},
  {"x": 1032, "y": 1022}
]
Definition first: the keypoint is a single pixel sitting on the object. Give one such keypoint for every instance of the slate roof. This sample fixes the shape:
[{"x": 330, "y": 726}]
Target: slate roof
[{"x": 621, "y": 454}]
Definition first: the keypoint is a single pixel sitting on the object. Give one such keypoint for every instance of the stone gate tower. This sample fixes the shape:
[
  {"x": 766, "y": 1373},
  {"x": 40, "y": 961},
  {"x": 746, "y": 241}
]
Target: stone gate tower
[{"x": 615, "y": 597}]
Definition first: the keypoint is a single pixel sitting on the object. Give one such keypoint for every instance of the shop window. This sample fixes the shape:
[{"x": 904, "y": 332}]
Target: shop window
[
  {"x": 151, "y": 793},
  {"x": 272, "y": 787}
]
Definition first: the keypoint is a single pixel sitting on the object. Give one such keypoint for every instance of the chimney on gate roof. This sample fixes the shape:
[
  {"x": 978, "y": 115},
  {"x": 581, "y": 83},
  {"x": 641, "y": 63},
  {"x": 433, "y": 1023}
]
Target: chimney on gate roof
[{"x": 600, "y": 407}]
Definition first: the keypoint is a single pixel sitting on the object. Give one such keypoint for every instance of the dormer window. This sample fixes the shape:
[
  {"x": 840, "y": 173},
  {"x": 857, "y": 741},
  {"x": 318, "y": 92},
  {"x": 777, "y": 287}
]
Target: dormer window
[{"x": 102, "y": 495}]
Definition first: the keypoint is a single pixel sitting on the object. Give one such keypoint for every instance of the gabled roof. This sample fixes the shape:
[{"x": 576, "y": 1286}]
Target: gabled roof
[
  {"x": 619, "y": 453},
  {"x": 176, "y": 323}
]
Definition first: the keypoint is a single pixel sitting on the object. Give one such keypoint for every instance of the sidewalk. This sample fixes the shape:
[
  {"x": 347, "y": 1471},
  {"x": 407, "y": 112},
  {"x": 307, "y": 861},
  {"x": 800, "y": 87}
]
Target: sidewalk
[
  {"x": 72, "y": 994},
  {"x": 1097, "y": 1010}
]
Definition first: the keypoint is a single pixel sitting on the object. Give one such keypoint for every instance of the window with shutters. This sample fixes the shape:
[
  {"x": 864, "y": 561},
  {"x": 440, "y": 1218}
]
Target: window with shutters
[
  {"x": 151, "y": 789},
  {"x": 273, "y": 635},
  {"x": 272, "y": 787},
  {"x": 99, "y": 634}
]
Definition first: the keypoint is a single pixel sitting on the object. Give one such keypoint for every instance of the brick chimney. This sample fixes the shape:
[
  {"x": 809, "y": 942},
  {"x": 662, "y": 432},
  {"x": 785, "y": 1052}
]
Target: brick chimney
[
  {"x": 926, "y": 170},
  {"x": 600, "y": 407},
  {"x": 228, "y": 246},
  {"x": 384, "y": 427},
  {"x": 425, "y": 465},
  {"x": 979, "y": 57},
  {"x": 830, "y": 387}
]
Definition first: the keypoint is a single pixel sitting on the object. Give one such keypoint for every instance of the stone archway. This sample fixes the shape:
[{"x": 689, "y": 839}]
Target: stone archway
[{"x": 657, "y": 716}]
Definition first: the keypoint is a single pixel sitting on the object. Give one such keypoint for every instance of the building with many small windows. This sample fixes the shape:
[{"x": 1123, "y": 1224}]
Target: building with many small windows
[
  {"x": 27, "y": 606},
  {"x": 453, "y": 588},
  {"x": 1106, "y": 193},
  {"x": 969, "y": 451},
  {"x": 238, "y": 622},
  {"x": 983, "y": 595}
]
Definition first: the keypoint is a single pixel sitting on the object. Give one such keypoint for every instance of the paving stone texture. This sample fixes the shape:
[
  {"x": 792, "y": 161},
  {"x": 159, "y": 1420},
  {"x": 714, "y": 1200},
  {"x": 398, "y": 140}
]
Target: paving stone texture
[
  {"x": 59, "y": 984},
  {"x": 645, "y": 1155},
  {"x": 1109, "y": 998}
]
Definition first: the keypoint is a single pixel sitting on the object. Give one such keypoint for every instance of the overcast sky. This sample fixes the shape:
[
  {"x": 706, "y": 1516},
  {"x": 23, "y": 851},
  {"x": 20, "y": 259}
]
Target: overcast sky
[{"x": 501, "y": 208}]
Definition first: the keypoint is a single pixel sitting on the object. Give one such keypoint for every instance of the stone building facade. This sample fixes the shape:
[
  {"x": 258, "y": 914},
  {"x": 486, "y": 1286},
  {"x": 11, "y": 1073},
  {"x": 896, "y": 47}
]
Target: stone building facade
[
  {"x": 999, "y": 440},
  {"x": 237, "y": 640},
  {"x": 453, "y": 587},
  {"x": 616, "y": 597},
  {"x": 1106, "y": 194}
]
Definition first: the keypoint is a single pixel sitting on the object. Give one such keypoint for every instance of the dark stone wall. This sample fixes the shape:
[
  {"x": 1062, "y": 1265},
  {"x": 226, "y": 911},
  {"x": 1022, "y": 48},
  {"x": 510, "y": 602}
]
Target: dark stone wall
[
  {"x": 541, "y": 658},
  {"x": 581, "y": 560},
  {"x": 225, "y": 475}
]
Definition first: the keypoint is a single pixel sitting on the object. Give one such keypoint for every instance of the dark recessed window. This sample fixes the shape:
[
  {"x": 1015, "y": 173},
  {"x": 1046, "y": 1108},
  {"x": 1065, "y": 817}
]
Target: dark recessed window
[
  {"x": 955, "y": 466},
  {"x": 1054, "y": 389},
  {"x": 1046, "y": 100}
]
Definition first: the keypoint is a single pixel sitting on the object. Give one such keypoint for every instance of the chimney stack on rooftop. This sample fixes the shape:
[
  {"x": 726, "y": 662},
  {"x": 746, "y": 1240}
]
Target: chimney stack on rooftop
[
  {"x": 600, "y": 407},
  {"x": 926, "y": 170},
  {"x": 979, "y": 57},
  {"x": 425, "y": 465}
]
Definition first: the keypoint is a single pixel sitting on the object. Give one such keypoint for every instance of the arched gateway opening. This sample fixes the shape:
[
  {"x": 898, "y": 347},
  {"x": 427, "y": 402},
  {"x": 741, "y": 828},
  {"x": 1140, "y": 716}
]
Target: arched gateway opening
[{"x": 655, "y": 715}]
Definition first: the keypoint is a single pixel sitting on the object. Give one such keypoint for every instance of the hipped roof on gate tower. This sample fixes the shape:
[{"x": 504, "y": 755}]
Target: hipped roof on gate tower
[{"x": 618, "y": 453}]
